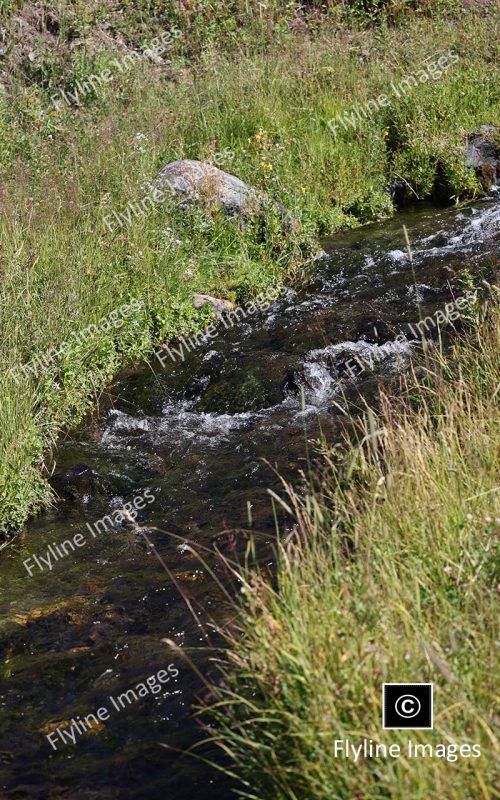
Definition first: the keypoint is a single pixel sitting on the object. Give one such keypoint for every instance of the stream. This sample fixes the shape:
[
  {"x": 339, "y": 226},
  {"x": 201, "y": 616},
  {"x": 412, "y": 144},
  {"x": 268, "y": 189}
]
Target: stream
[{"x": 196, "y": 440}]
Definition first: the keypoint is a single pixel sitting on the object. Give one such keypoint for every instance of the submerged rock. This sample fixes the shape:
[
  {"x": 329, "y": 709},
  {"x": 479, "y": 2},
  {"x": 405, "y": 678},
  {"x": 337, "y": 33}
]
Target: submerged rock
[
  {"x": 75, "y": 481},
  {"x": 483, "y": 154},
  {"x": 78, "y": 483},
  {"x": 327, "y": 371},
  {"x": 401, "y": 192}
]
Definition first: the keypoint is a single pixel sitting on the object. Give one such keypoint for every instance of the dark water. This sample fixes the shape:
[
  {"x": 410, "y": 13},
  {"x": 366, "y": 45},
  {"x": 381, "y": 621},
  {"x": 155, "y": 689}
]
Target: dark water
[{"x": 194, "y": 435}]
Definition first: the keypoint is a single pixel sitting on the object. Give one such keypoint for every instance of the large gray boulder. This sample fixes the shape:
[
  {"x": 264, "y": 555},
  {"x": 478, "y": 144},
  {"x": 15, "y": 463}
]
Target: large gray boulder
[
  {"x": 483, "y": 154},
  {"x": 197, "y": 181}
]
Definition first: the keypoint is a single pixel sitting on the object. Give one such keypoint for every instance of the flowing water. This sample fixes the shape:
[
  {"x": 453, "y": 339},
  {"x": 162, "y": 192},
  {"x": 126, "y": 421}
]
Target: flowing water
[{"x": 192, "y": 438}]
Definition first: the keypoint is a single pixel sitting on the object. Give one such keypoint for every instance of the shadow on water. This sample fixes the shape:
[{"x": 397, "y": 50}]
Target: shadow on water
[{"x": 193, "y": 435}]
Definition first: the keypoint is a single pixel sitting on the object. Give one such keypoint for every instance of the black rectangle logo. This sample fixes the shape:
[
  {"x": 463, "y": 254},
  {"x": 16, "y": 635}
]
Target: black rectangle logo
[{"x": 407, "y": 706}]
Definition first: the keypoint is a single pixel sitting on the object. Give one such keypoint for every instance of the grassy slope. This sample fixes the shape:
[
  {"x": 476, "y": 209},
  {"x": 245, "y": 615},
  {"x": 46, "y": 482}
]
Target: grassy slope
[
  {"x": 265, "y": 92},
  {"x": 391, "y": 576}
]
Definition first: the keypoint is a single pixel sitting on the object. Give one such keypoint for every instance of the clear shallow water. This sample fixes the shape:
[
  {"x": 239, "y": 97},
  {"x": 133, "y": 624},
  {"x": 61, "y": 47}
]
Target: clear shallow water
[{"x": 194, "y": 434}]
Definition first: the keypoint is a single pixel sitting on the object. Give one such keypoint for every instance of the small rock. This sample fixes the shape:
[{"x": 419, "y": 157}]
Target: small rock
[
  {"x": 483, "y": 154},
  {"x": 218, "y": 304}
]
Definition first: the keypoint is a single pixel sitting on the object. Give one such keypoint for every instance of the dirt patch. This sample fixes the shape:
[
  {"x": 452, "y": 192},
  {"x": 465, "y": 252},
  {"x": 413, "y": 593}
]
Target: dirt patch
[{"x": 39, "y": 42}]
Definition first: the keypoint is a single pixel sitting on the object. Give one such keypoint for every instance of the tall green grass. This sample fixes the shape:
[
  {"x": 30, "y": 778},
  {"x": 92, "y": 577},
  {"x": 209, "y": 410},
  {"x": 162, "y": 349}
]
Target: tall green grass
[
  {"x": 268, "y": 105},
  {"x": 389, "y": 574}
]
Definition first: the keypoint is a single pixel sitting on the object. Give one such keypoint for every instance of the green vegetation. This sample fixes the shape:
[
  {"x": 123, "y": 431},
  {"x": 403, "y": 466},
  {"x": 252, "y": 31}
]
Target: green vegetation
[
  {"x": 389, "y": 573},
  {"x": 256, "y": 86}
]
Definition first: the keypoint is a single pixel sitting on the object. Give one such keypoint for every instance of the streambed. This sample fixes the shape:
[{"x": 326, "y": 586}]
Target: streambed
[{"x": 194, "y": 435}]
